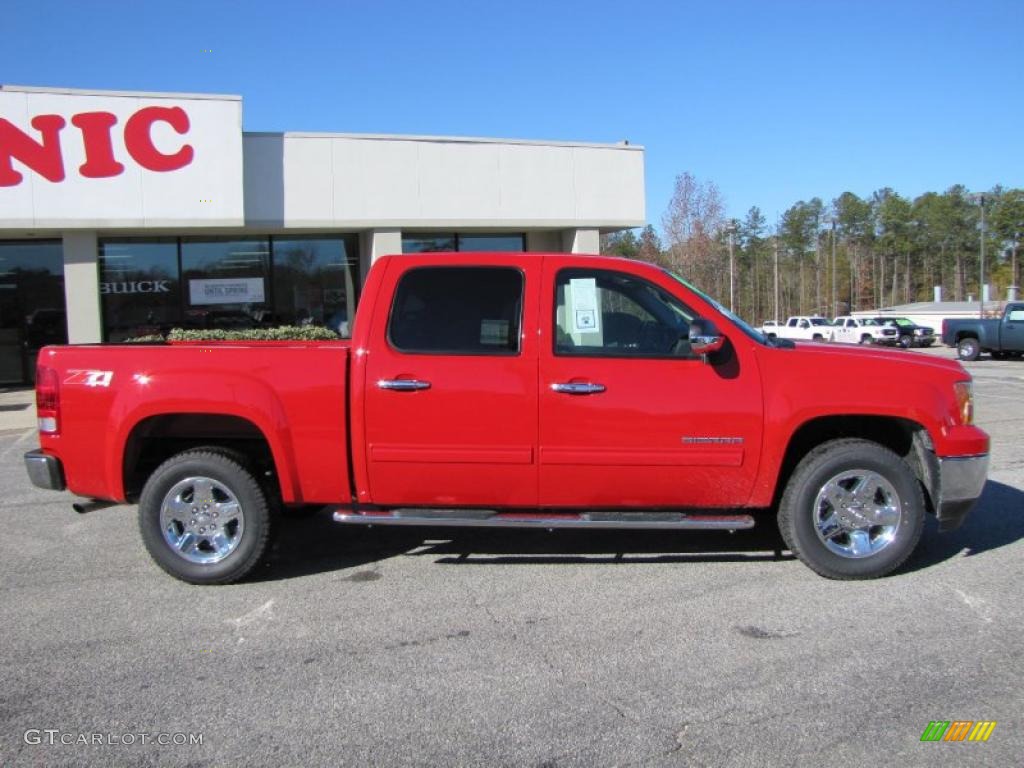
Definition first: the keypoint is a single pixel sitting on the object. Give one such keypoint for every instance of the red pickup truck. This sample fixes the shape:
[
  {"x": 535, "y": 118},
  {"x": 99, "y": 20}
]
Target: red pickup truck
[{"x": 528, "y": 390}]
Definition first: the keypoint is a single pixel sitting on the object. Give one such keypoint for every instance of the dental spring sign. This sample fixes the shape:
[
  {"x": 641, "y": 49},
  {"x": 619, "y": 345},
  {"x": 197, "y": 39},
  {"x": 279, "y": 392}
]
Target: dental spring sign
[{"x": 113, "y": 160}]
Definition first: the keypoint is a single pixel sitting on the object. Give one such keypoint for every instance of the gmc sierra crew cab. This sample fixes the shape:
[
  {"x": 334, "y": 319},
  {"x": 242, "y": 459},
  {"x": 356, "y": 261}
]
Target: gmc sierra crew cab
[{"x": 525, "y": 390}]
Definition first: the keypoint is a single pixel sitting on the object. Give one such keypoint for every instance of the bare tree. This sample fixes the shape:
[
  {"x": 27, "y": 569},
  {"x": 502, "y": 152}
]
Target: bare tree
[{"x": 694, "y": 219}]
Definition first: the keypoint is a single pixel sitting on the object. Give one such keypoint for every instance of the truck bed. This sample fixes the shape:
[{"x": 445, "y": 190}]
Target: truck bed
[{"x": 293, "y": 394}]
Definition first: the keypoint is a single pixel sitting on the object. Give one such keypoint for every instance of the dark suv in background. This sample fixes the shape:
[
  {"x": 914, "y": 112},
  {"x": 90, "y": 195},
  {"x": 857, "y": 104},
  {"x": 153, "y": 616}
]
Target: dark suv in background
[{"x": 911, "y": 334}]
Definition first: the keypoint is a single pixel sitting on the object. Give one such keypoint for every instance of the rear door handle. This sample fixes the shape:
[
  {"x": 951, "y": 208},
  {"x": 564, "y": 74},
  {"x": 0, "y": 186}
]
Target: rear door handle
[
  {"x": 403, "y": 385},
  {"x": 577, "y": 388}
]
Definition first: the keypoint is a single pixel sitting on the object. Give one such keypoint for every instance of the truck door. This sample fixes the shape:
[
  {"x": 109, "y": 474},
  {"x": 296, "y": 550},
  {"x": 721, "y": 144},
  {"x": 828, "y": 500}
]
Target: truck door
[
  {"x": 1012, "y": 339},
  {"x": 628, "y": 417},
  {"x": 451, "y": 385}
]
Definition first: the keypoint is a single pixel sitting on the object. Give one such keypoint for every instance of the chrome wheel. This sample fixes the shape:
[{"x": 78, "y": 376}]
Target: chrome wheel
[
  {"x": 201, "y": 520},
  {"x": 857, "y": 513}
]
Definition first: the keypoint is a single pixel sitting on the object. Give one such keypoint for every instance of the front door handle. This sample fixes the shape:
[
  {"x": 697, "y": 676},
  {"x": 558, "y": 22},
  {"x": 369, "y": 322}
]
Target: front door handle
[
  {"x": 403, "y": 385},
  {"x": 577, "y": 388}
]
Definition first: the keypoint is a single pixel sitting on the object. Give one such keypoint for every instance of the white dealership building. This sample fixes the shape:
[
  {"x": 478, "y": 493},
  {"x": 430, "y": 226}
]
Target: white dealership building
[{"x": 127, "y": 213}]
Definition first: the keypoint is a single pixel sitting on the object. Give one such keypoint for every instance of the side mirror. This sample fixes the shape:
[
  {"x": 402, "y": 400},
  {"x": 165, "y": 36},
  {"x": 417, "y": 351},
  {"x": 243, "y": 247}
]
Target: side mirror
[{"x": 705, "y": 338}]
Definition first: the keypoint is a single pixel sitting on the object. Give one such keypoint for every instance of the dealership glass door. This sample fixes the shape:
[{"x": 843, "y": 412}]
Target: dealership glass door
[{"x": 32, "y": 312}]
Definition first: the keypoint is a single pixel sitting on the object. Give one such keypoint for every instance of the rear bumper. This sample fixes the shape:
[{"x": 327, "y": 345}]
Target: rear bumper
[
  {"x": 961, "y": 480},
  {"x": 45, "y": 471}
]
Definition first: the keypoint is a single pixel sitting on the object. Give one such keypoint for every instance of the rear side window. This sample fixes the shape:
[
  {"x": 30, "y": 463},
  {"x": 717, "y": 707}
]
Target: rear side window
[{"x": 457, "y": 311}]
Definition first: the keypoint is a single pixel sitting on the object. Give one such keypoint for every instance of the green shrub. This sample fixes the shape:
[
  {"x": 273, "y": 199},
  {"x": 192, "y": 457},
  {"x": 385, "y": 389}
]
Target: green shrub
[{"x": 281, "y": 333}]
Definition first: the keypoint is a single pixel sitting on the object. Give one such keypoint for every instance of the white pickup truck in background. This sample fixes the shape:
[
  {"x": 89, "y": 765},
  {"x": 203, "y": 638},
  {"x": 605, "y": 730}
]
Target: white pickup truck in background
[
  {"x": 863, "y": 330},
  {"x": 800, "y": 328}
]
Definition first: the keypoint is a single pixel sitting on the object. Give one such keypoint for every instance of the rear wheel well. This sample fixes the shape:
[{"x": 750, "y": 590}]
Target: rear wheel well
[
  {"x": 905, "y": 438},
  {"x": 156, "y": 439}
]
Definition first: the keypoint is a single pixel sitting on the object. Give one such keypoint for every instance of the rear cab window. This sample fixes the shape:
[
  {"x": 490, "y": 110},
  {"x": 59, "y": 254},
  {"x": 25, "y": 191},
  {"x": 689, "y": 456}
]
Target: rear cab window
[{"x": 457, "y": 311}]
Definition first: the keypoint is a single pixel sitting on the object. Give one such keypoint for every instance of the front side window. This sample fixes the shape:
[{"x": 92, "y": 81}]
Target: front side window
[
  {"x": 457, "y": 311},
  {"x": 1016, "y": 316},
  {"x": 612, "y": 314}
]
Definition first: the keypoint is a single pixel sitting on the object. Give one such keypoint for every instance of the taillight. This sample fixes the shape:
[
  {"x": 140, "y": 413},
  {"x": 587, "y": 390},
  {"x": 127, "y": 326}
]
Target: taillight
[{"x": 48, "y": 400}]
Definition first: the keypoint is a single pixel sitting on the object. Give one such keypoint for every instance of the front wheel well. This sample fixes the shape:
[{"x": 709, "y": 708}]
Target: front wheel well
[
  {"x": 154, "y": 440},
  {"x": 904, "y": 437}
]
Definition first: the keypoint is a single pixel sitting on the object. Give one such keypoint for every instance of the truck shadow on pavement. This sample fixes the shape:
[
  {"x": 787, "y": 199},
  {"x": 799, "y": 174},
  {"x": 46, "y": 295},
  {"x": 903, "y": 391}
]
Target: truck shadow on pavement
[
  {"x": 317, "y": 544},
  {"x": 997, "y": 521}
]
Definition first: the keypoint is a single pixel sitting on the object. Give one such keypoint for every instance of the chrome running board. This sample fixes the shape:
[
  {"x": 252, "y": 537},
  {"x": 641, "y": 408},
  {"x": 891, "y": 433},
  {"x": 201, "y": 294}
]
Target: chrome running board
[{"x": 489, "y": 518}]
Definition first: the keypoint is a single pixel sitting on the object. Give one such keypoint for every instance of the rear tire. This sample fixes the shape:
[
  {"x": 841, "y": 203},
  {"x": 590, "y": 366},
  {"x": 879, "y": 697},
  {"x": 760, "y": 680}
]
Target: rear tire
[
  {"x": 205, "y": 518},
  {"x": 968, "y": 348},
  {"x": 852, "y": 509}
]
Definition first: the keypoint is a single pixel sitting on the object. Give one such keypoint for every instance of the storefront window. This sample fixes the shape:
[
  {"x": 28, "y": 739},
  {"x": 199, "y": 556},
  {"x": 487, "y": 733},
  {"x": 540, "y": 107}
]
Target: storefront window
[
  {"x": 491, "y": 243},
  {"x": 139, "y": 287},
  {"x": 32, "y": 312},
  {"x": 316, "y": 281},
  {"x": 431, "y": 242},
  {"x": 226, "y": 283}
]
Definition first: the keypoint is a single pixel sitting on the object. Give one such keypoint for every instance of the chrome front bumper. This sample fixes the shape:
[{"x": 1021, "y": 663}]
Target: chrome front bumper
[{"x": 961, "y": 481}]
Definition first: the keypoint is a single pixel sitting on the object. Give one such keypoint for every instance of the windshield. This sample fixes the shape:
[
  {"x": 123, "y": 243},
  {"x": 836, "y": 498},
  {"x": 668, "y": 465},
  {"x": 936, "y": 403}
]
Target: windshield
[{"x": 753, "y": 333}]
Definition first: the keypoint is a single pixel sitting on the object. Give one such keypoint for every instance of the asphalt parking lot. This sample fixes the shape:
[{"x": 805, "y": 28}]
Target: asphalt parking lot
[{"x": 394, "y": 648}]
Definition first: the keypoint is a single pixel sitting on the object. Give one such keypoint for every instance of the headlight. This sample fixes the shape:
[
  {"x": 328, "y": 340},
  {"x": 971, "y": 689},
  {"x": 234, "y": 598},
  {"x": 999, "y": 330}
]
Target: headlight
[
  {"x": 964, "y": 393},
  {"x": 919, "y": 331}
]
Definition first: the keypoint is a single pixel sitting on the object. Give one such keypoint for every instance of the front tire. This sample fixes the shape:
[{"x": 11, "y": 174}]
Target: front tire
[
  {"x": 968, "y": 348},
  {"x": 204, "y": 518},
  {"x": 852, "y": 509},
  {"x": 866, "y": 339},
  {"x": 906, "y": 341}
]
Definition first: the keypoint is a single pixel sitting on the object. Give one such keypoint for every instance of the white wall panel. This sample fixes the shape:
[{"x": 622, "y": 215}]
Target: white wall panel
[{"x": 436, "y": 183}]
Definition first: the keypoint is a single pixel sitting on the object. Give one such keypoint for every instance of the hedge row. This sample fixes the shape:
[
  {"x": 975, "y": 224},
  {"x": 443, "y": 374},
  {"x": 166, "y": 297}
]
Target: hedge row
[{"x": 281, "y": 333}]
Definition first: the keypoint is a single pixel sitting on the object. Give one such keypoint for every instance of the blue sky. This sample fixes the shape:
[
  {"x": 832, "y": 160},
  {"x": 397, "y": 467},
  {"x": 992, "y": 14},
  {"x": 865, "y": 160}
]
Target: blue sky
[{"x": 773, "y": 101}]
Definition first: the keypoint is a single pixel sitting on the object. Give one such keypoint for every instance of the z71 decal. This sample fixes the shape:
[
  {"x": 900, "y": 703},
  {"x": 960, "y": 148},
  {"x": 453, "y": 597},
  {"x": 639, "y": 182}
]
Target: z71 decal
[{"x": 90, "y": 378}]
